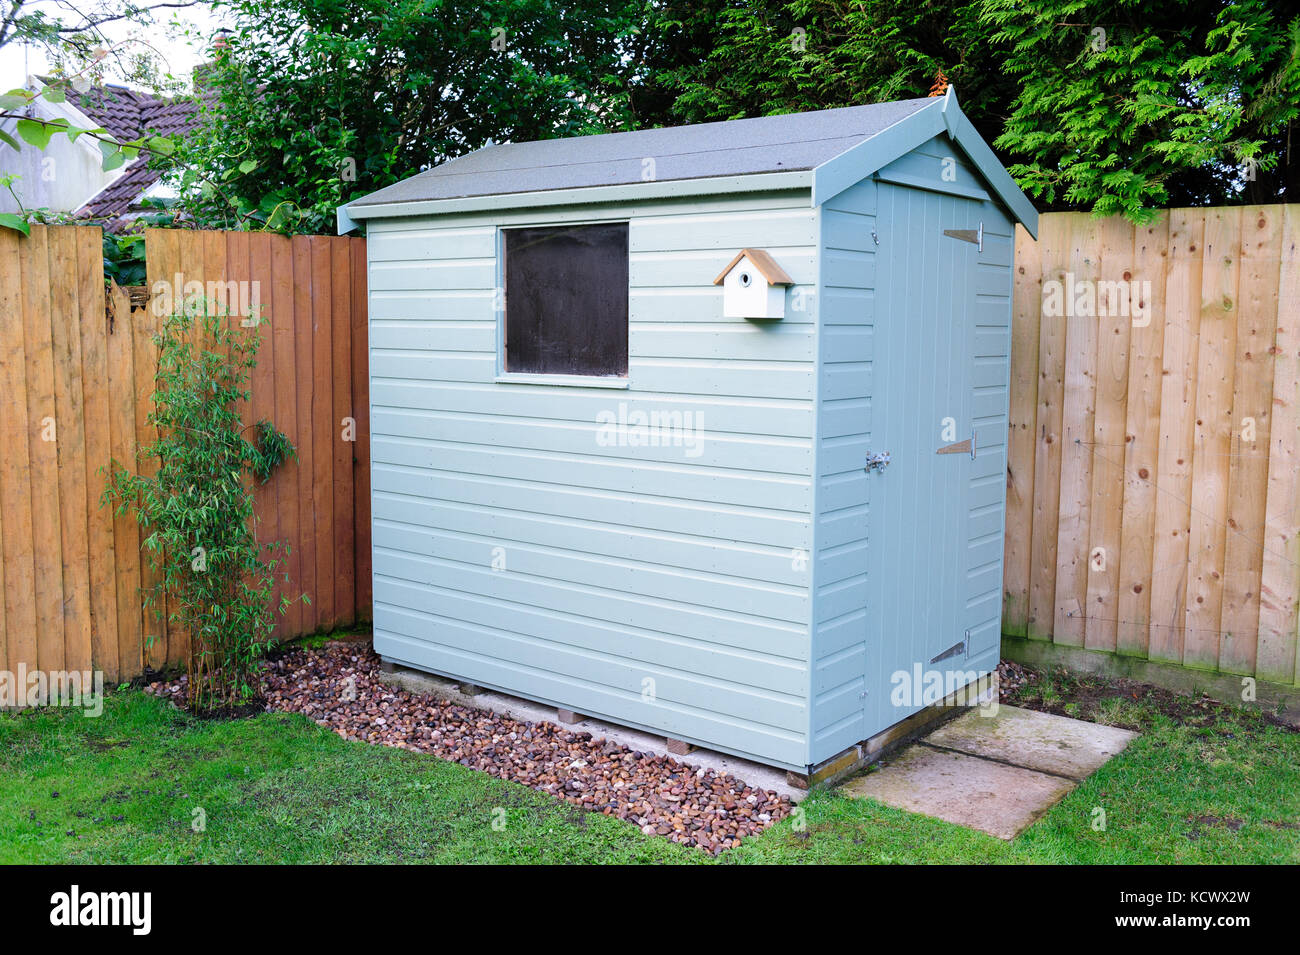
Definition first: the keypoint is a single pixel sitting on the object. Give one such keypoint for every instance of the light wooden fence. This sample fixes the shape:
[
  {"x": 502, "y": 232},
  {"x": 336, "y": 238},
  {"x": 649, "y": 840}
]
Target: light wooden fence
[
  {"x": 76, "y": 376},
  {"x": 1152, "y": 483}
]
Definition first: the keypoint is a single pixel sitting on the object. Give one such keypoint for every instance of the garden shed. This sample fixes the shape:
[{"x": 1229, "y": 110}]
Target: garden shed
[{"x": 698, "y": 430}]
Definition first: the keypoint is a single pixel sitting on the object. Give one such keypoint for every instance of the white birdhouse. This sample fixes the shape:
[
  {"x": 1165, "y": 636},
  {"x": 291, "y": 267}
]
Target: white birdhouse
[{"x": 753, "y": 286}]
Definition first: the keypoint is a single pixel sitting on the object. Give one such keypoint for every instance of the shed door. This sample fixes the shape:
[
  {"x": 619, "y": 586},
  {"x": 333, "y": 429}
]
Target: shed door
[{"x": 919, "y": 504}]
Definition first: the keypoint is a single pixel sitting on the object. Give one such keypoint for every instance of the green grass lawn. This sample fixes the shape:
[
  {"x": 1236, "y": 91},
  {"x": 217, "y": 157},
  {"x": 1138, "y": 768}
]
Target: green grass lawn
[{"x": 1218, "y": 787}]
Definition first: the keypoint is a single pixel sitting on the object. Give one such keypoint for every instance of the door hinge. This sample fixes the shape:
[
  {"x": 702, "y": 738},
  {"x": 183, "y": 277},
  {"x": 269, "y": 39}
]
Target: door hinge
[
  {"x": 974, "y": 236},
  {"x": 960, "y": 446},
  {"x": 956, "y": 650}
]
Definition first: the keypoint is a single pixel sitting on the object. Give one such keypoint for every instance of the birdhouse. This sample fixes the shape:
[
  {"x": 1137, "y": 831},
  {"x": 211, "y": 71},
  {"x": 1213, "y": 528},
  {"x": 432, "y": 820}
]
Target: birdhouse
[{"x": 753, "y": 286}]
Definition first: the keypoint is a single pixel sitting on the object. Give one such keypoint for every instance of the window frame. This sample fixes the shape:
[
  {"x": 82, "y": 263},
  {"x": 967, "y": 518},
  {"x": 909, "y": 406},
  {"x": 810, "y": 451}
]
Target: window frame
[{"x": 503, "y": 376}]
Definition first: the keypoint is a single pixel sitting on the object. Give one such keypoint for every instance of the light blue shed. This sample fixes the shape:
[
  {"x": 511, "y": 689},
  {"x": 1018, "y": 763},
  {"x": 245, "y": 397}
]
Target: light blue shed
[{"x": 607, "y": 477}]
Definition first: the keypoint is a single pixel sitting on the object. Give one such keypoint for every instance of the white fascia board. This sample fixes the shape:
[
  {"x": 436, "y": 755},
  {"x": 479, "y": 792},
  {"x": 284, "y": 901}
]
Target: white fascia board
[
  {"x": 853, "y": 165},
  {"x": 345, "y": 222},
  {"x": 630, "y": 192},
  {"x": 978, "y": 152},
  {"x": 944, "y": 116}
]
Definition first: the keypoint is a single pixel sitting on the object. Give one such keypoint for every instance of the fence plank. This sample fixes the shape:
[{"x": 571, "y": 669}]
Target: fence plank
[
  {"x": 322, "y": 413},
  {"x": 253, "y": 253},
  {"x": 162, "y": 254},
  {"x": 1261, "y": 241},
  {"x": 1214, "y": 426},
  {"x": 1077, "y": 435},
  {"x": 1054, "y": 249},
  {"x": 1025, "y": 324},
  {"x": 70, "y": 444},
  {"x": 279, "y": 306},
  {"x": 19, "y": 569},
  {"x": 93, "y": 328},
  {"x": 1177, "y": 434},
  {"x": 1277, "y": 658},
  {"x": 303, "y": 351},
  {"x": 1109, "y": 434},
  {"x": 122, "y": 444},
  {"x": 345, "y": 595},
  {"x": 361, "y": 405},
  {"x": 42, "y": 424},
  {"x": 1141, "y": 457}
]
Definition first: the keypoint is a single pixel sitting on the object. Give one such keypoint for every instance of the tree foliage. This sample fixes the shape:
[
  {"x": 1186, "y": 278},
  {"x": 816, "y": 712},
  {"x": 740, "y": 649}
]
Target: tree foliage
[
  {"x": 1185, "y": 102},
  {"x": 1125, "y": 105},
  {"x": 318, "y": 101}
]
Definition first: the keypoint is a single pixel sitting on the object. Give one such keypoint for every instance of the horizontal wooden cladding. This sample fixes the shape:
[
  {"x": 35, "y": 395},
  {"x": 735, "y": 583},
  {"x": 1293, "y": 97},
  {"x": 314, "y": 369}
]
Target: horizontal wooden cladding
[
  {"x": 751, "y": 342},
  {"x": 635, "y": 475},
  {"x": 726, "y": 522},
  {"x": 780, "y": 646},
  {"x": 685, "y": 551},
  {"x": 665, "y": 546},
  {"x": 78, "y": 375},
  {"x": 594, "y": 606},
  {"x": 723, "y": 415},
  {"x": 681, "y": 440},
  {"x": 642, "y": 628},
  {"x": 632, "y": 707},
  {"x": 718, "y": 591},
  {"x": 1152, "y": 492}
]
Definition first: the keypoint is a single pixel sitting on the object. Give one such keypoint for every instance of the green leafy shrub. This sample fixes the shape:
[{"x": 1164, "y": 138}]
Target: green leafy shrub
[{"x": 215, "y": 582}]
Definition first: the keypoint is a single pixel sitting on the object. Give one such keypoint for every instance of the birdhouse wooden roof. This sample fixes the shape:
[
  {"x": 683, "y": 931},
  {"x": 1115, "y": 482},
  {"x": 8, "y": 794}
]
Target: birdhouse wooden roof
[{"x": 764, "y": 263}]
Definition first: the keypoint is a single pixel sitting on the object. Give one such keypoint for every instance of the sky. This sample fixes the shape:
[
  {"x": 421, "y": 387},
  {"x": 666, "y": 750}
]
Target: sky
[{"x": 179, "y": 54}]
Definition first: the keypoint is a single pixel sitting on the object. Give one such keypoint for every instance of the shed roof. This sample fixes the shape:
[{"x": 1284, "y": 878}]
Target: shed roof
[
  {"x": 740, "y": 147},
  {"x": 820, "y": 150}
]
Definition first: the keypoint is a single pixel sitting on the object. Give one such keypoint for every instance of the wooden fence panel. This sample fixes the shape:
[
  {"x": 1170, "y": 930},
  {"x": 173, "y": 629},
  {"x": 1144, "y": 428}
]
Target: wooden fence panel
[
  {"x": 77, "y": 371},
  {"x": 1142, "y": 441},
  {"x": 1163, "y": 467}
]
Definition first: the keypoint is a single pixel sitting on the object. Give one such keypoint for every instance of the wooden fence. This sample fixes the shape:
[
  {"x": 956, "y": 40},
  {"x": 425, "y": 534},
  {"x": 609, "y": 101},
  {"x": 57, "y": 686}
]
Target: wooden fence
[
  {"x": 1152, "y": 470},
  {"x": 76, "y": 375},
  {"x": 1153, "y": 495}
]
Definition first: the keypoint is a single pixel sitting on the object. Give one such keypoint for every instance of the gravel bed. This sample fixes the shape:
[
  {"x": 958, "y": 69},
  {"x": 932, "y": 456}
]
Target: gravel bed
[{"x": 338, "y": 686}]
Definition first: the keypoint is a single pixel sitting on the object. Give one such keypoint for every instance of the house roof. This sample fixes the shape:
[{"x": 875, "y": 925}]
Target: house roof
[
  {"x": 826, "y": 151},
  {"x": 766, "y": 265},
  {"x": 130, "y": 114}
]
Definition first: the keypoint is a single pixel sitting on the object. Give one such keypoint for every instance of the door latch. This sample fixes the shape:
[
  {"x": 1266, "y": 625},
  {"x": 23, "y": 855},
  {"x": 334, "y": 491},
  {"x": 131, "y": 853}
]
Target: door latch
[{"x": 877, "y": 461}]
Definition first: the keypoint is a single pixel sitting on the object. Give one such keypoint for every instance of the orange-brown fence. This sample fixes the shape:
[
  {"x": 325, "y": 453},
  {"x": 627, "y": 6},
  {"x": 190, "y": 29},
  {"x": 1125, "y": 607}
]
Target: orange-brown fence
[
  {"x": 1152, "y": 486},
  {"x": 76, "y": 371}
]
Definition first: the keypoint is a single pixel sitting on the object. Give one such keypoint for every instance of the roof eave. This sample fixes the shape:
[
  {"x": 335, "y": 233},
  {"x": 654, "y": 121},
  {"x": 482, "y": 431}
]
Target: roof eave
[
  {"x": 944, "y": 115},
  {"x": 350, "y": 215}
]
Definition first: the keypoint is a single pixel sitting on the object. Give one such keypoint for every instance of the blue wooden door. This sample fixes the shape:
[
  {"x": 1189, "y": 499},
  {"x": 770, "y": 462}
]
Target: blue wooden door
[{"x": 920, "y": 503}]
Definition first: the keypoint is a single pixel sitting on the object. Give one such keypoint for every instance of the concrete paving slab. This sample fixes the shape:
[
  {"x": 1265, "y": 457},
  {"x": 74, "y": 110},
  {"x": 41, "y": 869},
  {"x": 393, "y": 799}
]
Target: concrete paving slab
[
  {"x": 970, "y": 791},
  {"x": 1033, "y": 740}
]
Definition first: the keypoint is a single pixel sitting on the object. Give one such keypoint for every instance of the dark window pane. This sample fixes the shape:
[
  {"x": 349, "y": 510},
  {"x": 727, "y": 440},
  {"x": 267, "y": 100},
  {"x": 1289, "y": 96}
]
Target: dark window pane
[{"x": 566, "y": 300}]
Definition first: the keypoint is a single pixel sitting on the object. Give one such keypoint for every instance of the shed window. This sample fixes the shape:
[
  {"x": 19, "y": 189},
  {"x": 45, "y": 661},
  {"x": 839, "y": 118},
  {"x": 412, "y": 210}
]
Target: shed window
[{"x": 566, "y": 300}]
